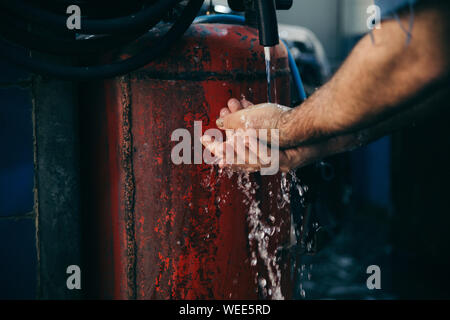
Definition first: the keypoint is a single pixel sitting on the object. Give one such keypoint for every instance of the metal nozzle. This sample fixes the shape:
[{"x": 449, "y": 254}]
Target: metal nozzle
[
  {"x": 267, "y": 22},
  {"x": 262, "y": 13}
]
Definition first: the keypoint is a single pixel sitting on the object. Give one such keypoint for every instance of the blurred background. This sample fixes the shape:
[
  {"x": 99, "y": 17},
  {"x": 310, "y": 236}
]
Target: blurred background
[{"x": 363, "y": 182}]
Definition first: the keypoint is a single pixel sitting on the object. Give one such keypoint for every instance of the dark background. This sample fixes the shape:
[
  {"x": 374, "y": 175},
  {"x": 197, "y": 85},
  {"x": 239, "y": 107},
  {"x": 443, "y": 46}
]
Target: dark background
[{"x": 18, "y": 256}]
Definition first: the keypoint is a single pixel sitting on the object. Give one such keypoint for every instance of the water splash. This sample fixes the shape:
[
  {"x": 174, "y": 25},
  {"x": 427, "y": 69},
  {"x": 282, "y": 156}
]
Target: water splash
[
  {"x": 261, "y": 230},
  {"x": 302, "y": 272},
  {"x": 262, "y": 226},
  {"x": 268, "y": 73},
  {"x": 260, "y": 233}
]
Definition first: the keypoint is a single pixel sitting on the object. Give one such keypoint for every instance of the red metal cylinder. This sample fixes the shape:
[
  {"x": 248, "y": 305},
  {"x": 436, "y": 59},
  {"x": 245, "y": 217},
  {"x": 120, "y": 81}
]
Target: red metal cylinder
[{"x": 157, "y": 230}]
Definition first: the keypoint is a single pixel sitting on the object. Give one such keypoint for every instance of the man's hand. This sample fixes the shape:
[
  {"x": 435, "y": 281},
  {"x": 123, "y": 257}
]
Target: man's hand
[
  {"x": 380, "y": 88},
  {"x": 244, "y": 115}
]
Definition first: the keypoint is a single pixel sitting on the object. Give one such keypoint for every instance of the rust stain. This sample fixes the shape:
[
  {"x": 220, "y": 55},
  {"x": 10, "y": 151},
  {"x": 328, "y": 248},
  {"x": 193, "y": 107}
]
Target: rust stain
[{"x": 129, "y": 185}]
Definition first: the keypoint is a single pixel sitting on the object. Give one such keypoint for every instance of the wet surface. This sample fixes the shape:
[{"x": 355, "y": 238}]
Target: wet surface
[{"x": 339, "y": 270}]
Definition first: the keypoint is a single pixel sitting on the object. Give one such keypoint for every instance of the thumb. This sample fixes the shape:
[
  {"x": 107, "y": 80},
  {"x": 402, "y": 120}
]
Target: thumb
[{"x": 261, "y": 116}]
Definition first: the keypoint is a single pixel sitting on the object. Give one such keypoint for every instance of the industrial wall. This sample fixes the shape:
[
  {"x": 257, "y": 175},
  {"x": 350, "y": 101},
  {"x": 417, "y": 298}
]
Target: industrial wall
[{"x": 17, "y": 220}]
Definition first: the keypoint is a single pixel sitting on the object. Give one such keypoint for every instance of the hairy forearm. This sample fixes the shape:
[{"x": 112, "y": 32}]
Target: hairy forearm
[{"x": 377, "y": 80}]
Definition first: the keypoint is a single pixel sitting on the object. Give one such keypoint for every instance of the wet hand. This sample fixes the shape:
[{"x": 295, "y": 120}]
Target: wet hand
[
  {"x": 245, "y": 115},
  {"x": 242, "y": 148}
]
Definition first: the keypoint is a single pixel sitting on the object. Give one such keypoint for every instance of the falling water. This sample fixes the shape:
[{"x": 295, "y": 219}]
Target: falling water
[
  {"x": 267, "y": 60},
  {"x": 262, "y": 230},
  {"x": 260, "y": 233}
]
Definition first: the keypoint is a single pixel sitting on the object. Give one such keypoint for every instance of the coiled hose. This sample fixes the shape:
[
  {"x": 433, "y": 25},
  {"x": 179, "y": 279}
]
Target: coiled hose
[{"x": 113, "y": 33}]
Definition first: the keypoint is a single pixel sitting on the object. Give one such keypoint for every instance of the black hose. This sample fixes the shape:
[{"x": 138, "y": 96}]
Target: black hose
[
  {"x": 132, "y": 23},
  {"x": 59, "y": 45},
  {"x": 12, "y": 30},
  {"x": 23, "y": 36},
  {"x": 37, "y": 65}
]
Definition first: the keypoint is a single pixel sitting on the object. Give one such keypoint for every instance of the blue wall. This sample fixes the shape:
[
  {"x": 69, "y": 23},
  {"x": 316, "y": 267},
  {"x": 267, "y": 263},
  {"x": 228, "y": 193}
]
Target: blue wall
[
  {"x": 371, "y": 173},
  {"x": 18, "y": 258}
]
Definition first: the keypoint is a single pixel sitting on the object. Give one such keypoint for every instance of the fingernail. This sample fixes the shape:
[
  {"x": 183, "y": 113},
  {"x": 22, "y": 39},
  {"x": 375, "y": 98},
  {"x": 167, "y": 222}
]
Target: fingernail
[
  {"x": 205, "y": 139},
  {"x": 219, "y": 122}
]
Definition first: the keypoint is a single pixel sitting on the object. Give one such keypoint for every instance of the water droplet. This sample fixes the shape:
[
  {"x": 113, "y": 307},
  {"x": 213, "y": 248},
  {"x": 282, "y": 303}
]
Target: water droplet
[
  {"x": 303, "y": 293},
  {"x": 262, "y": 282}
]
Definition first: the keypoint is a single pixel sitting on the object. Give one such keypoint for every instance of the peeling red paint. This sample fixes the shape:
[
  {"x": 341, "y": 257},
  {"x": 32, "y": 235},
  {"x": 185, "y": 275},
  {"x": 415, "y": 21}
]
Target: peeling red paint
[{"x": 188, "y": 246}]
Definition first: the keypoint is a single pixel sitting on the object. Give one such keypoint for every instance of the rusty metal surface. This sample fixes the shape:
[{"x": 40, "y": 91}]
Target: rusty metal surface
[
  {"x": 167, "y": 231},
  {"x": 129, "y": 185}
]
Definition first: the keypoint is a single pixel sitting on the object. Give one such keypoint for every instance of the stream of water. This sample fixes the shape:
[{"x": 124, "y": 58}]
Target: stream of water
[
  {"x": 268, "y": 73},
  {"x": 262, "y": 227}
]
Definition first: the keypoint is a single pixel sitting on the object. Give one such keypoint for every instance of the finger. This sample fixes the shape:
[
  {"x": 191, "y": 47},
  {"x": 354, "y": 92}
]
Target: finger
[
  {"x": 252, "y": 146},
  {"x": 214, "y": 147},
  {"x": 242, "y": 167},
  {"x": 244, "y": 154},
  {"x": 234, "y": 105},
  {"x": 234, "y": 153},
  {"x": 245, "y": 103},
  {"x": 207, "y": 142},
  {"x": 224, "y": 112},
  {"x": 255, "y": 117},
  {"x": 236, "y": 143},
  {"x": 248, "y": 159},
  {"x": 244, "y": 159},
  {"x": 229, "y": 133},
  {"x": 229, "y": 152},
  {"x": 224, "y": 151},
  {"x": 263, "y": 151},
  {"x": 256, "y": 150}
]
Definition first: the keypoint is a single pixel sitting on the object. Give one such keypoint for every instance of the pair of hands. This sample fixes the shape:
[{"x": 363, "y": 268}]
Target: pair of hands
[
  {"x": 243, "y": 115},
  {"x": 380, "y": 88}
]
